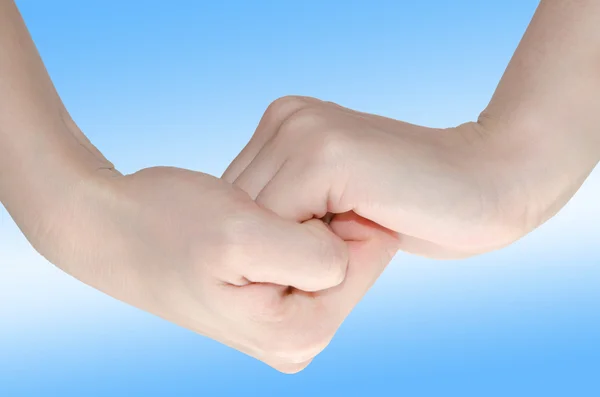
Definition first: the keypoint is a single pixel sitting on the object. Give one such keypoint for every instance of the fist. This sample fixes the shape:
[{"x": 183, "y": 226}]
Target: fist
[
  {"x": 199, "y": 252},
  {"x": 443, "y": 192}
]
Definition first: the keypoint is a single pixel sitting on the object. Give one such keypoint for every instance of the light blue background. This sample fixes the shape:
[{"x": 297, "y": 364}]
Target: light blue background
[{"x": 184, "y": 83}]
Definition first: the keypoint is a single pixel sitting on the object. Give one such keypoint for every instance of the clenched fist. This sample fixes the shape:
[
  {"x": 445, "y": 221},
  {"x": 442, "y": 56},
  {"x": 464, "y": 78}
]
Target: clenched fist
[
  {"x": 199, "y": 252},
  {"x": 446, "y": 193}
]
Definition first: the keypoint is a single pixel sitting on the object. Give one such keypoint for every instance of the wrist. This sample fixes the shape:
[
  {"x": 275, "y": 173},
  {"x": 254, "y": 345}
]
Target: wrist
[
  {"x": 537, "y": 166},
  {"x": 41, "y": 174}
]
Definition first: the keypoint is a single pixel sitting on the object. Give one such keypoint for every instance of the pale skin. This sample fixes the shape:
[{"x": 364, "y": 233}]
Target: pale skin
[{"x": 244, "y": 259}]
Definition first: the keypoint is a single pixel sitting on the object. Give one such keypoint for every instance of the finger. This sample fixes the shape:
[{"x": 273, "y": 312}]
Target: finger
[
  {"x": 260, "y": 171},
  {"x": 300, "y": 325},
  {"x": 272, "y": 119},
  {"x": 371, "y": 248},
  {"x": 278, "y": 327},
  {"x": 293, "y": 191},
  {"x": 311, "y": 319},
  {"x": 305, "y": 256}
]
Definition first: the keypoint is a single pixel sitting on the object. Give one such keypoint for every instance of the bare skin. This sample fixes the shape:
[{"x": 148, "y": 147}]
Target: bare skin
[
  {"x": 242, "y": 259},
  {"x": 183, "y": 245},
  {"x": 447, "y": 193}
]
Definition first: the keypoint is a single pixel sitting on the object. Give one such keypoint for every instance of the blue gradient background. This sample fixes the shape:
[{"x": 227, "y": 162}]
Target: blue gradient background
[{"x": 184, "y": 83}]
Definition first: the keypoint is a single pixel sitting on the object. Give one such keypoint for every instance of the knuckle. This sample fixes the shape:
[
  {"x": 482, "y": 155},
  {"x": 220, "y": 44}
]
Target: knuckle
[
  {"x": 334, "y": 144},
  {"x": 303, "y": 120},
  {"x": 296, "y": 349},
  {"x": 282, "y": 107},
  {"x": 319, "y": 137},
  {"x": 291, "y": 369},
  {"x": 292, "y": 342}
]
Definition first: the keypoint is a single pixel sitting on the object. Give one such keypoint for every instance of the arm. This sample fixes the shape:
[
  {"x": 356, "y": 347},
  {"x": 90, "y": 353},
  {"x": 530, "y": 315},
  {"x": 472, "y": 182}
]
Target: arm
[
  {"x": 43, "y": 155},
  {"x": 548, "y": 103},
  {"x": 452, "y": 192},
  {"x": 183, "y": 245}
]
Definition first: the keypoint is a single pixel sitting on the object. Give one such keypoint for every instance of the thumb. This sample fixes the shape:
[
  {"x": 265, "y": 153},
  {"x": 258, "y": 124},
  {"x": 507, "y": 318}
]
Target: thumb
[
  {"x": 307, "y": 256},
  {"x": 371, "y": 247}
]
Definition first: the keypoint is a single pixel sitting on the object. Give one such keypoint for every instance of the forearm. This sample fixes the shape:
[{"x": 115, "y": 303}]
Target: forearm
[
  {"x": 547, "y": 104},
  {"x": 42, "y": 153}
]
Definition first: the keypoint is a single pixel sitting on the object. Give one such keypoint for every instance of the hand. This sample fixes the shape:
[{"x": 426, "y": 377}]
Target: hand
[
  {"x": 199, "y": 252},
  {"x": 446, "y": 193}
]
